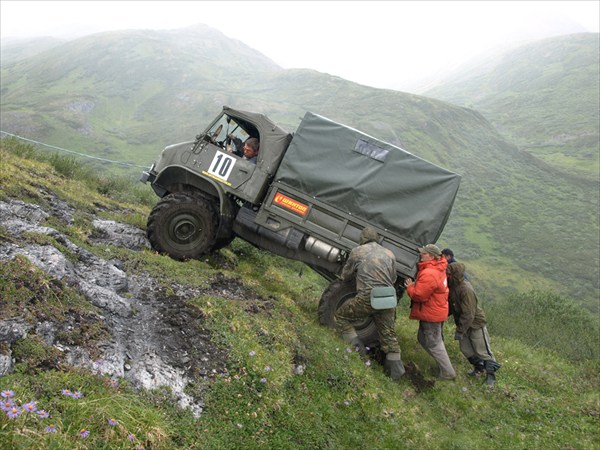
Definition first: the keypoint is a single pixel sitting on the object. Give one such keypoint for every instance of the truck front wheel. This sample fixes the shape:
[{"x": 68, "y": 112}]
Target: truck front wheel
[
  {"x": 182, "y": 225},
  {"x": 336, "y": 295}
]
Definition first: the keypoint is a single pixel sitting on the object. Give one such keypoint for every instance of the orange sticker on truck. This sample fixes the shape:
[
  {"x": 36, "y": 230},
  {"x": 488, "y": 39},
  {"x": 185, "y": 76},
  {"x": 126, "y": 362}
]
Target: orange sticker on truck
[{"x": 291, "y": 204}]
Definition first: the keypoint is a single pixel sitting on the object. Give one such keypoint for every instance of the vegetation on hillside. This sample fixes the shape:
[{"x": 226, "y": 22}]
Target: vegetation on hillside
[
  {"x": 543, "y": 96},
  {"x": 546, "y": 395},
  {"x": 518, "y": 222}
]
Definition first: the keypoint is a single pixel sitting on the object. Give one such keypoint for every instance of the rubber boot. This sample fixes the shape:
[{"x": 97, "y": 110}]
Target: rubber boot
[
  {"x": 490, "y": 368},
  {"x": 478, "y": 366},
  {"x": 359, "y": 346},
  {"x": 352, "y": 338},
  {"x": 393, "y": 366}
]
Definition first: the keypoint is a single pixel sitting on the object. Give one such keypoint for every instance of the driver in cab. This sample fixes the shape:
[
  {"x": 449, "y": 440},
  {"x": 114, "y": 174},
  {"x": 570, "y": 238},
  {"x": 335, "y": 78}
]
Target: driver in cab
[{"x": 248, "y": 149}]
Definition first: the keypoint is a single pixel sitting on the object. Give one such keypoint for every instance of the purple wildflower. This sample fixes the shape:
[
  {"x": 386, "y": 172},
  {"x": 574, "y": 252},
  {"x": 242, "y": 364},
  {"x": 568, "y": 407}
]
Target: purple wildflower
[
  {"x": 348, "y": 350},
  {"x": 13, "y": 412},
  {"x": 29, "y": 407},
  {"x": 66, "y": 392},
  {"x": 83, "y": 433},
  {"x": 112, "y": 422},
  {"x": 113, "y": 383},
  {"x": 252, "y": 353},
  {"x": 131, "y": 437},
  {"x": 263, "y": 380},
  {"x": 42, "y": 414},
  {"x": 51, "y": 429},
  {"x": 7, "y": 394},
  {"x": 7, "y": 405},
  {"x": 76, "y": 394},
  {"x": 267, "y": 369}
]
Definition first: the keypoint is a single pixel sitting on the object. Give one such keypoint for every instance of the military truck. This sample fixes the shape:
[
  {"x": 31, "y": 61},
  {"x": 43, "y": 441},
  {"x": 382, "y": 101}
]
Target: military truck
[{"x": 307, "y": 197}]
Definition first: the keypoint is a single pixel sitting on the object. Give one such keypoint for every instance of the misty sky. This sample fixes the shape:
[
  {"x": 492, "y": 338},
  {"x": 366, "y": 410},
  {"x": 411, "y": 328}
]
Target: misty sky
[{"x": 390, "y": 44}]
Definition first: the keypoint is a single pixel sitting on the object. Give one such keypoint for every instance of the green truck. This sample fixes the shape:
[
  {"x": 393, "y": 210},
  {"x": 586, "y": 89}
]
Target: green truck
[{"x": 306, "y": 197}]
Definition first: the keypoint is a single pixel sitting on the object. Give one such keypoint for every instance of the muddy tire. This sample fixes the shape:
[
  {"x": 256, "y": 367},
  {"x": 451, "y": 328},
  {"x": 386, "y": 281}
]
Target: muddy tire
[
  {"x": 183, "y": 226},
  {"x": 336, "y": 295}
]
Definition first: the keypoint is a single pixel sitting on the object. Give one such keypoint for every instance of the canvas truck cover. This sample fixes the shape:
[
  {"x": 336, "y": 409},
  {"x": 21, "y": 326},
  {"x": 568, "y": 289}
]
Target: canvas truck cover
[{"x": 377, "y": 182}]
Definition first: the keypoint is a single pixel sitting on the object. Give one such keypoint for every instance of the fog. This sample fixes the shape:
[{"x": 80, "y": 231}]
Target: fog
[{"x": 401, "y": 45}]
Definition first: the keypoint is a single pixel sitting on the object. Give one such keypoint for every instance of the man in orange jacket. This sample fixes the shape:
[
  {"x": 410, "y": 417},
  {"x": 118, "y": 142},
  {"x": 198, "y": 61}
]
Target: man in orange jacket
[{"x": 429, "y": 305}]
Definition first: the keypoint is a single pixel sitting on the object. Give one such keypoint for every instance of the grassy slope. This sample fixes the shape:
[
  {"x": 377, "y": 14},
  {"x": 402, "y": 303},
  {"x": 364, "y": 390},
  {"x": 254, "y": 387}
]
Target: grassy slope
[
  {"x": 541, "y": 400},
  {"x": 124, "y": 96},
  {"x": 544, "y": 96}
]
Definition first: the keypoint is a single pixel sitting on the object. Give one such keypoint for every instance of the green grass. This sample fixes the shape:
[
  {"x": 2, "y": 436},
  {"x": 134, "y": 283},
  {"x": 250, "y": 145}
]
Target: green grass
[{"x": 544, "y": 398}]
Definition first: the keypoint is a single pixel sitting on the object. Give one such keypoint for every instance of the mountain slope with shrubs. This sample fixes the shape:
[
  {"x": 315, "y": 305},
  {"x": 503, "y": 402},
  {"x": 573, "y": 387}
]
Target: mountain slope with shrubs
[
  {"x": 544, "y": 96},
  {"x": 278, "y": 378},
  {"x": 518, "y": 222}
]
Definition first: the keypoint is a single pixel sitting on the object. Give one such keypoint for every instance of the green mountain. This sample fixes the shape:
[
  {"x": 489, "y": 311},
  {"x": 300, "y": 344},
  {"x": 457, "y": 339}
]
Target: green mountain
[
  {"x": 517, "y": 223},
  {"x": 543, "y": 96}
]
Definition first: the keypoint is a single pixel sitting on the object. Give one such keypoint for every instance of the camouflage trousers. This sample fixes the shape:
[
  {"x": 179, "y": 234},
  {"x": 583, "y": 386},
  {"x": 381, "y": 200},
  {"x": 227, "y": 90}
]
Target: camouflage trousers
[{"x": 385, "y": 320}]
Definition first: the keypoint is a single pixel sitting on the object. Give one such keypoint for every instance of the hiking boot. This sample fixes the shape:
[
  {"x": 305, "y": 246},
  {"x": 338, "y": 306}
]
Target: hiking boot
[
  {"x": 446, "y": 377},
  {"x": 490, "y": 379},
  {"x": 359, "y": 346},
  {"x": 393, "y": 366},
  {"x": 477, "y": 370}
]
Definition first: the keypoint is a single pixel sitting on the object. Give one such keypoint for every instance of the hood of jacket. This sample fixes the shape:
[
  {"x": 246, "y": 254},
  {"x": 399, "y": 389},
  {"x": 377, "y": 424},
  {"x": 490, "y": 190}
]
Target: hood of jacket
[{"x": 456, "y": 273}]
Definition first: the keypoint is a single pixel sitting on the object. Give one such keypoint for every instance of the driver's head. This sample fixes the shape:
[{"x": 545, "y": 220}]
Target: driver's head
[{"x": 251, "y": 147}]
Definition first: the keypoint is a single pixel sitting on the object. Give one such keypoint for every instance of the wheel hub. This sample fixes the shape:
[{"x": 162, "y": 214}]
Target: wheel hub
[{"x": 185, "y": 229}]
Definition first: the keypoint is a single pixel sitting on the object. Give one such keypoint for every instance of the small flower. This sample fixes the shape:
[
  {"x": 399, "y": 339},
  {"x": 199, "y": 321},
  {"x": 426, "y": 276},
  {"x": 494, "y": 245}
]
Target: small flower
[
  {"x": 348, "y": 350},
  {"x": 252, "y": 353},
  {"x": 51, "y": 429},
  {"x": 112, "y": 422},
  {"x": 263, "y": 380},
  {"x": 76, "y": 394},
  {"x": 139, "y": 447},
  {"x": 267, "y": 369},
  {"x": 236, "y": 377},
  {"x": 66, "y": 392},
  {"x": 83, "y": 433},
  {"x": 8, "y": 394},
  {"x": 368, "y": 363},
  {"x": 29, "y": 407},
  {"x": 113, "y": 383},
  {"x": 43, "y": 414},
  {"x": 239, "y": 425},
  {"x": 346, "y": 402},
  {"x": 7, "y": 405},
  {"x": 131, "y": 437},
  {"x": 13, "y": 412}
]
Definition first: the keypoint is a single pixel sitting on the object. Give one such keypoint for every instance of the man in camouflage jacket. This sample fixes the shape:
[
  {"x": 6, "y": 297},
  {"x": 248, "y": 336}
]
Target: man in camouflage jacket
[
  {"x": 471, "y": 330},
  {"x": 373, "y": 266}
]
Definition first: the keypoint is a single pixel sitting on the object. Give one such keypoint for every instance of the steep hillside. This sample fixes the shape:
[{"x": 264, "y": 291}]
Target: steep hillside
[
  {"x": 106, "y": 344},
  {"x": 544, "y": 96},
  {"x": 124, "y": 96}
]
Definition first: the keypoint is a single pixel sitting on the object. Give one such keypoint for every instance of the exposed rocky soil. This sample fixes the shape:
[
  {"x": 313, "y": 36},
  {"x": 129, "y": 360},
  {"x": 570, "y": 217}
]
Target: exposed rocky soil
[{"x": 155, "y": 339}]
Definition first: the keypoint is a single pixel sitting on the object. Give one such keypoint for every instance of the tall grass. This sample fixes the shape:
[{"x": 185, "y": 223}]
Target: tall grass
[{"x": 546, "y": 319}]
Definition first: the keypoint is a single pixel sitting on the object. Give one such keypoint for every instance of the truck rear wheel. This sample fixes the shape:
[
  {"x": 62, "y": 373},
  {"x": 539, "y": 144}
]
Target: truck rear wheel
[
  {"x": 182, "y": 225},
  {"x": 337, "y": 294}
]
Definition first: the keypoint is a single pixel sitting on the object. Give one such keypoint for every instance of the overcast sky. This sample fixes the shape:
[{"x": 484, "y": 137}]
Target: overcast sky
[{"x": 390, "y": 44}]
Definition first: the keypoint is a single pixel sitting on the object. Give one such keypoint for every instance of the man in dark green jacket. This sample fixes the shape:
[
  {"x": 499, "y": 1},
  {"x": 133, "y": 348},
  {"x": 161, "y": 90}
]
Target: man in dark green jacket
[
  {"x": 373, "y": 266},
  {"x": 471, "y": 330}
]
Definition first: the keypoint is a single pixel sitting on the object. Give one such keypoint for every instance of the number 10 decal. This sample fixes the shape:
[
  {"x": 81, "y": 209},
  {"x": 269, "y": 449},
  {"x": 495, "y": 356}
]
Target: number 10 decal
[{"x": 221, "y": 165}]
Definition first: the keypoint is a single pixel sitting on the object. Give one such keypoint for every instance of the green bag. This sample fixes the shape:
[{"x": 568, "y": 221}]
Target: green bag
[{"x": 383, "y": 297}]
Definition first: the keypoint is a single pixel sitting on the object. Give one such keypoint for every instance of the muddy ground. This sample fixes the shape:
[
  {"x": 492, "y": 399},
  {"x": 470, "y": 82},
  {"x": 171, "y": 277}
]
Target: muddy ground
[{"x": 155, "y": 339}]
